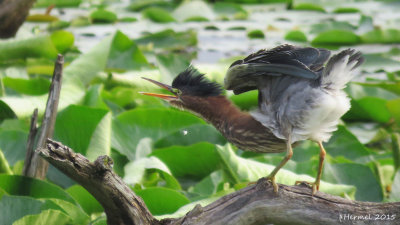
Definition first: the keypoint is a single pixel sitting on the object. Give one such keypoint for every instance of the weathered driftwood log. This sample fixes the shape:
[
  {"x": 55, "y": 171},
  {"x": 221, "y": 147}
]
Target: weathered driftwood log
[{"x": 256, "y": 204}]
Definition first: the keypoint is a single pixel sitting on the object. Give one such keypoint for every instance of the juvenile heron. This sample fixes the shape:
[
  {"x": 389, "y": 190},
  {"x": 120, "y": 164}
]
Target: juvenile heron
[{"x": 298, "y": 99}]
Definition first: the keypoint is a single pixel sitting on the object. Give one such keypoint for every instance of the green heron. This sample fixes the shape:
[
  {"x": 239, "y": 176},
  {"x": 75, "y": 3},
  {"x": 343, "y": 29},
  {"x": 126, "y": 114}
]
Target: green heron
[{"x": 298, "y": 98}]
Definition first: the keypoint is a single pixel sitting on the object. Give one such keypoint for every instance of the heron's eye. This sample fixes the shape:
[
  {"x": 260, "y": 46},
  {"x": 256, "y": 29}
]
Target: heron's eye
[{"x": 176, "y": 91}]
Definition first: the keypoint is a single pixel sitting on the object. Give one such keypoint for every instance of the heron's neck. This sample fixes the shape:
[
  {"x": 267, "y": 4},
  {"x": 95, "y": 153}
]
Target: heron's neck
[{"x": 217, "y": 110}]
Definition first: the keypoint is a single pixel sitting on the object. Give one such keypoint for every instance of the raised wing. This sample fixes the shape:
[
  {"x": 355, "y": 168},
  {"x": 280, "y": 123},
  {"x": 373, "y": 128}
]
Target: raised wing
[{"x": 284, "y": 60}]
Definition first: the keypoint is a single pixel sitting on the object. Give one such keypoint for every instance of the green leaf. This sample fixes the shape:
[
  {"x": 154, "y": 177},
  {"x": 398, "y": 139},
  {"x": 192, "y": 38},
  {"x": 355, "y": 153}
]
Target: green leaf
[
  {"x": 35, "y": 86},
  {"x": 170, "y": 65},
  {"x": 124, "y": 54},
  {"x": 191, "y": 135},
  {"x": 13, "y": 145},
  {"x": 58, "y": 3},
  {"x": 296, "y": 35},
  {"x": 394, "y": 109},
  {"x": 331, "y": 25},
  {"x": 188, "y": 207},
  {"x": 85, "y": 199},
  {"x": 387, "y": 36},
  {"x": 39, "y": 46},
  {"x": 158, "y": 15},
  {"x": 308, "y": 7},
  {"x": 47, "y": 216},
  {"x": 229, "y": 9},
  {"x": 344, "y": 143},
  {"x": 361, "y": 176},
  {"x": 245, "y": 170},
  {"x": 131, "y": 126},
  {"x": 41, "y": 18},
  {"x": 62, "y": 40},
  {"x": 26, "y": 186},
  {"x": 374, "y": 62},
  {"x": 161, "y": 200},
  {"x": 140, "y": 5},
  {"x": 86, "y": 130},
  {"x": 169, "y": 39},
  {"x": 246, "y": 101},
  {"x": 76, "y": 213},
  {"x": 336, "y": 38},
  {"x": 4, "y": 167},
  {"x": 346, "y": 10},
  {"x": 13, "y": 208},
  {"x": 190, "y": 9},
  {"x": 103, "y": 16},
  {"x": 93, "y": 97},
  {"x": 196, "y": 160},
  {"x": 253, "y": 34},
  {"x": 209, "y": 185},
  {"x": 395, "y": 194},
  {"x": 396, "y": 150},
  {"x": 135, "y": 170}
]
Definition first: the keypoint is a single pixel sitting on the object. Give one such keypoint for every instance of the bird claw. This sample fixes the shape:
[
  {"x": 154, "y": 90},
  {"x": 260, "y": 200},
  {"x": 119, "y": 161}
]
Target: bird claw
[
  {"x": 272, "y": 179},
  {"x": 313, "y": 185}
]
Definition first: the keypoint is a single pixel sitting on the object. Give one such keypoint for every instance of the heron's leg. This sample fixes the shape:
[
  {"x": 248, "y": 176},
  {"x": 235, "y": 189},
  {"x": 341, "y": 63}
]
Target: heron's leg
[
  {"x": 315, "y": 185},
  {"x": 289, "y": 153}
]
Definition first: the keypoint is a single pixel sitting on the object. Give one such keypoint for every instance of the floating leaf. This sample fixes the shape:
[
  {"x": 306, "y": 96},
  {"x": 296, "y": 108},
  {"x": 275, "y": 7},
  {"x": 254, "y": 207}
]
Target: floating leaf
[
  {"x": 125, "y": 54},
  {"x": 103, "y": 16},
  {"x": 336, "y": 38},
  {"x": 387, "y": 36},
  {"x": 47, "y": 46},
  {"x": 309, "y": 7},
  {"x": 346, "y": 10},
  {"x": 296, "y": 35},
  {"x": 169, "y": 39},
  {"x": 253, "y": 34},
  {"x": 158, "y": 15},
  {"x": 190, "y": 9}
]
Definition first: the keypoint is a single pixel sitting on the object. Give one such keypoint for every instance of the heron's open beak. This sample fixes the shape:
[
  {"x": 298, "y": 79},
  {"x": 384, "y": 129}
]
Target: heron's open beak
[{"x": 162, "y": 96}]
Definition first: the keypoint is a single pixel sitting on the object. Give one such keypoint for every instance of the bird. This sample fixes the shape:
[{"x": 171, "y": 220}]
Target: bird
[{"x": 300, "y": 97}]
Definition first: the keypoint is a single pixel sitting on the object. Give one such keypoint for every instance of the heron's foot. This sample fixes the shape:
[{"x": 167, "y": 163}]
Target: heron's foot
[
  {"x": 272, "y": 179},
  {"x": 313, "y": 185}
]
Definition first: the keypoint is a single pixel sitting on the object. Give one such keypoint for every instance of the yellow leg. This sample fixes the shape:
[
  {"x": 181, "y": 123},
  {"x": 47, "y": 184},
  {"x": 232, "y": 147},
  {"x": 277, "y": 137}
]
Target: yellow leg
[
  {"x": 271, "y": 176},
  {"x": 315, "y": 185}
]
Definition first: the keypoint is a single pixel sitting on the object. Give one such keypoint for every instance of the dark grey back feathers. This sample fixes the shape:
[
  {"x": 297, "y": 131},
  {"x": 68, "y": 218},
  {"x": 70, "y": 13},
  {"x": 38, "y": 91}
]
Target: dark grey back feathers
[{"x": 191, "y": 82}]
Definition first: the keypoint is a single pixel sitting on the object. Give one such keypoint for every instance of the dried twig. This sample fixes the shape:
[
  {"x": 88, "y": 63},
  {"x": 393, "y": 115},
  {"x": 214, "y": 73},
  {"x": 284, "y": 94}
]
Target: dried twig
[{"x": 37, "y": 166}]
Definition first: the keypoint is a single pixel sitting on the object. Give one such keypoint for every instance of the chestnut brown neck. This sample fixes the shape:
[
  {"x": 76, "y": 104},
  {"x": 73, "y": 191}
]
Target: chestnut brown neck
[{"x": 217, "y": 110}]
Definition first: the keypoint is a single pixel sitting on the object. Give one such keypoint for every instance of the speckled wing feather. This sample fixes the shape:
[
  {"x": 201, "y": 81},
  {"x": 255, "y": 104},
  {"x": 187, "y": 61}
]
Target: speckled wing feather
[{"x": 284, "y": 60}]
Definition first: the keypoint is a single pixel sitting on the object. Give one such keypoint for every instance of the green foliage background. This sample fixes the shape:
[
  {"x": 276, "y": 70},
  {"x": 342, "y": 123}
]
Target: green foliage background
[{"x": 171, "y": 158}]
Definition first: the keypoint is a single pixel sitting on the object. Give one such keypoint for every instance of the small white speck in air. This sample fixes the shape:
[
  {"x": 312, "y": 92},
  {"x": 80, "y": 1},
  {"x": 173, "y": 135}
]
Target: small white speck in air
[{"x": 185, "y": 132}]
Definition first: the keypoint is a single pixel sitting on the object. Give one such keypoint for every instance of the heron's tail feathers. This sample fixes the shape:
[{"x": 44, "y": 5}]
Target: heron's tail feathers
[{"x": 340, "y": 69}]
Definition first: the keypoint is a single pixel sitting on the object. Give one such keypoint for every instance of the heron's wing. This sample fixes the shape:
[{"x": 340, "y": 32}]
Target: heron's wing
[{"x": 284, "y": 60}]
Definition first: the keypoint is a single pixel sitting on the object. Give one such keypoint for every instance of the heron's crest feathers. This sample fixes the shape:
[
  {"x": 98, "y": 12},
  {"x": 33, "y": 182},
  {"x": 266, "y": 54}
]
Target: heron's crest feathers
[{"x": 193, "y": 83}]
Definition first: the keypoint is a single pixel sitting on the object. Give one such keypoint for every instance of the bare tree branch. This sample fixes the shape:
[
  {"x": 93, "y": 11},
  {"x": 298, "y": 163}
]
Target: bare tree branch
[
  {"x": 121, "y": 205},
  {"x": 12, "y": 15},
  {"x": 37, "y": 166},
  {"x": 253, "y": 205}
]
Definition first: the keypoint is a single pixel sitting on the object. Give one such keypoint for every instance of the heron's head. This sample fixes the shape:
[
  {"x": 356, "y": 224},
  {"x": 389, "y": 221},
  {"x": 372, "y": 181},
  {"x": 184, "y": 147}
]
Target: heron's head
[{"x": 189, "y": 88}]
